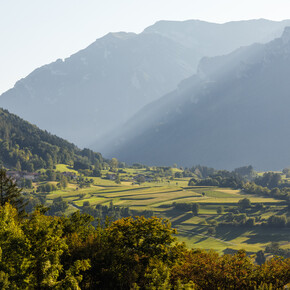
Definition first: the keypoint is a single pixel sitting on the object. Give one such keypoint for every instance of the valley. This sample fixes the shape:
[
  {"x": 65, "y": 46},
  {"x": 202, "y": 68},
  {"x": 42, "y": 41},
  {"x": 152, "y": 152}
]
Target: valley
[
  {"x": 93, "y": 198},
  {"x": 171, "y": 198}
]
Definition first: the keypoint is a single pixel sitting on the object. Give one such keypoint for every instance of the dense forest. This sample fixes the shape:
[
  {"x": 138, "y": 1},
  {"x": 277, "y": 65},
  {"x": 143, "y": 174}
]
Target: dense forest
[{"x": 23, "y": 146}]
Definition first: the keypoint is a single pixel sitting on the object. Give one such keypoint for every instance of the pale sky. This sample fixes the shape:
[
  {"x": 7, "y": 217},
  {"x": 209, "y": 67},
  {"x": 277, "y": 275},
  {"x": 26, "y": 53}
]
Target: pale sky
[{"x": 37, "y": 32}]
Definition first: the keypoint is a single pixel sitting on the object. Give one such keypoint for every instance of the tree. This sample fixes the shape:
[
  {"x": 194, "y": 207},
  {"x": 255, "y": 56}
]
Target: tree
[
  {"x": 117, "y": 180},
  {"x": 269, "y": 179},
  {"x": 13, "y": 250},
  {"x": 244, "y": 203},
  {"x": 58, "y": 206},
  {"x": 220, "y": 209},
  {"x": 10, "y": 192},
  {"x": 63, "y": 182},
  {"x": 277, "y": 220},
  {"x": 178, "y": 174},
  {"x": 286, "y": 171},
  {"x": 114, "y": 164},
  {"x": 51, "y": 175},
  {"x": 96, "y": 173},
  {"x": 246, "y": 171},
  {"x": 131, "y": 246},
  {"x": 195, "y": 208},
  {"x": 250, "y": 222},
  {"x": 18, "y": 166},
  {"x": 260, "y": 258},
  {"x": 140, "y": 179},
  {"x": 46, "y": 248}
]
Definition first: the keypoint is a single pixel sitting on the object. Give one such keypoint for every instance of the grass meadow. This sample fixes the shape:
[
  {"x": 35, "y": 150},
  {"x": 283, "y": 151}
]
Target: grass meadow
[{"x": 160, "y": 196}]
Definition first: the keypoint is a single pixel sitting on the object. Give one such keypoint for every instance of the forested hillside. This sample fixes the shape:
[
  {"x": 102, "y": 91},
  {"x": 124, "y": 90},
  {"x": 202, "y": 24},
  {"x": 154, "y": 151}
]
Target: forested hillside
[{"x": 24, "y": 146}]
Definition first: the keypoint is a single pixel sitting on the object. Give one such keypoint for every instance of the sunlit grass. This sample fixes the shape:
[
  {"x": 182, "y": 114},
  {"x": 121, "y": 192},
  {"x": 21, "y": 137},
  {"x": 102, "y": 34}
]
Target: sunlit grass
[
  {"x": 159, "y": 198},
  {"x": 65, "y": 168}
]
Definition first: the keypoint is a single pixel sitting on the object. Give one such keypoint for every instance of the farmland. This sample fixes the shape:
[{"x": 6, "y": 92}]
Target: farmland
[{"x": 160, "y": 198}]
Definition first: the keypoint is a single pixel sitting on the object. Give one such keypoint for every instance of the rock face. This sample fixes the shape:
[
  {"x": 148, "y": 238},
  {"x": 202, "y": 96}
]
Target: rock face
[
  {"x": 233, "y": 112},
  {"x": 94, "y": 91},
  {"x": 90, "y": 92}
]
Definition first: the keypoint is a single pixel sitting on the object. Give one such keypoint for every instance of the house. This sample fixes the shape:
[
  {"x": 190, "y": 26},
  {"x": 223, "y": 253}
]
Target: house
[
  {"x": 31, "y": 176},
  {"x": 111, "y": 176},
  {"x": 17, "y": 175},
  {"x": 69, "y": 174}
]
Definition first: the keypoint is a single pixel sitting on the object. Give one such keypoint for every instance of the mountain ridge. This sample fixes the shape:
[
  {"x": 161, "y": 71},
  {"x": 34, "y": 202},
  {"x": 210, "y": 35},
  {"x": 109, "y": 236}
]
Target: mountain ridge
[
  {"x": 203, "y": 122},
  {"x": 94, "y": 91}
]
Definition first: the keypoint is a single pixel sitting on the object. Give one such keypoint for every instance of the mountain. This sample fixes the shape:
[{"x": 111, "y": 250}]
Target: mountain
[
  {"x": 25, "y": 147},
  {"x": 211, "y": 39},
  {"x": 233, "y": 112},
  {"x": 91, "y": 93}
]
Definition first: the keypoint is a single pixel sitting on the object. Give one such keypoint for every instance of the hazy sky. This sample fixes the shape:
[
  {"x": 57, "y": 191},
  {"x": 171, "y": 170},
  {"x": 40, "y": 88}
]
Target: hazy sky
[{"x": 36, "y": 32}]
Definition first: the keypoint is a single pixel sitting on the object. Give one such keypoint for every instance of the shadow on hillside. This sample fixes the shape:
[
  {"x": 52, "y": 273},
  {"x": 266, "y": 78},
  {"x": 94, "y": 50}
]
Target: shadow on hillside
[
  {"x": 195, "y": 230},
  {"x": 229, "y": 233},
  {"x": 182, "y": 219},
  {"x": 266, "y": 236},
  {"x": 173, "y": 213}
]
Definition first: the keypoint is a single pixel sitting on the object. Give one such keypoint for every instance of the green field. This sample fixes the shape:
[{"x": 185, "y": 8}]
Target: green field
[{"x": 159, "y": 198}]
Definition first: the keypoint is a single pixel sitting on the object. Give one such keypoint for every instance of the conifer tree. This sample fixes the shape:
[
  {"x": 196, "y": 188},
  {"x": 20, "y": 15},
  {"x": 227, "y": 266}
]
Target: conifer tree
[{"x": 10, "y": 192}]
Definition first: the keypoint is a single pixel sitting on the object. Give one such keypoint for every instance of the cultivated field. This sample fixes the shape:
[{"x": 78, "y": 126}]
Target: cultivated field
[{"x": 160, "y": 196}]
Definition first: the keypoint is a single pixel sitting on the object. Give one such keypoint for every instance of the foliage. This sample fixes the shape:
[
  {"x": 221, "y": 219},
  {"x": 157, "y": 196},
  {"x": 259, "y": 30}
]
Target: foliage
[
  {"x": 45, "y": 252},
  {"x": 58, "y": 206},
  {"x": 26, "y": 147},
  {"x": 244, "y": 203},
  {"x": 9, "y": 191},
  {"x": 103, "y": 212},
  {"x": 31, "y": 252},
  {"x": 275, "y": 249},
  {"x": 277, "y": 220},
  {"x": 269, "y": 179},
  {"x": 220, "y": 210},
  {"x": 47, "y": 187},
  {"x": 229, "y": 271},
  {"x": 220, "y": 178}
]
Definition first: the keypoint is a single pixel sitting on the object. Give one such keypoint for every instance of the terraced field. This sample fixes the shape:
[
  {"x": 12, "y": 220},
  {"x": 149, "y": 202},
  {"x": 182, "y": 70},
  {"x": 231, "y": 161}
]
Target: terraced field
[{"x": 160, "y": 197}]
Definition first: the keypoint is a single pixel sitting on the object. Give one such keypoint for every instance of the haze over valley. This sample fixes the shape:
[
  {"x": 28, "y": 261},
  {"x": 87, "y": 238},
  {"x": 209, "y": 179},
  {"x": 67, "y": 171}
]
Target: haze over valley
[
  {"x": 233, "y": 112},
  {"x": 88, "y": 97}
]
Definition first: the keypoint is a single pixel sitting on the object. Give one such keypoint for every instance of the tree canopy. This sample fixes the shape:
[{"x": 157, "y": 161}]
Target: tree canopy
[{"x": 46, "y": 252}]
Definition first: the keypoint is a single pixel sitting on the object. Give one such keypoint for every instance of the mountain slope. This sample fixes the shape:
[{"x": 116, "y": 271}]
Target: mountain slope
[
  {"x": 87, "y": 94},
  {"x": 234, "y": 112},
  {"x": 99, "y": 88},
  {"x": 24, "y": 146}
]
